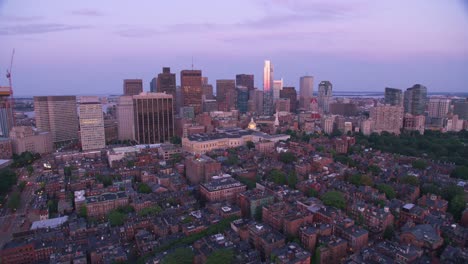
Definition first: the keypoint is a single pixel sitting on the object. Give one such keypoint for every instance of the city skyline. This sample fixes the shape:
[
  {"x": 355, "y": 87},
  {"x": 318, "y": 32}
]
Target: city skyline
[{"x": 357, "y": 45}]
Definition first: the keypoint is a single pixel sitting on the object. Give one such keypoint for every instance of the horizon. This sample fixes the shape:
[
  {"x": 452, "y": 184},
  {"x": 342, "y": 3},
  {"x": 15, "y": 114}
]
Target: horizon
[{"x": 86, "y": 46}]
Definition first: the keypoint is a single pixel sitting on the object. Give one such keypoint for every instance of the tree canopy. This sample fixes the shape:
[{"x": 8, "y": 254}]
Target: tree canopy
[
  {"x": 182, "y": 255},
  {"x": 220, "y": 256},
  {"x": 335, "y": 199},
  {"x": 8, "y": 178}
]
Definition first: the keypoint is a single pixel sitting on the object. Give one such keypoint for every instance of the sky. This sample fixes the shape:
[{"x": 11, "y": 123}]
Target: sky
[{"x": 89, "y": 47}]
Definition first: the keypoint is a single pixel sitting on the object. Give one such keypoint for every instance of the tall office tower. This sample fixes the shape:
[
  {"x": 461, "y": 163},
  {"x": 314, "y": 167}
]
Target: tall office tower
[
  {"x": 132, "y": 86},
  {"x": 204, "y": 80},
  {"x": 153, "y": 117},
  {"x": 154, "y": 85},
  {"x": 226, "y": 94},
  {"x": 179, "y": 101},
  {"x": 125, "y": 123},
  {"x": 207, "y": 90},
  {"x": 393, "y": 96},
  {"x": 306, "y": 91},
  {"x": 246, "y": 80},
  {"x": 191, "y": 84},
  {"x": 91, "y": 123},
  {"x": 255, "y": 104},
  {"x": 277, "y": 87},
  {"x": 290, "y": 93},
  {"x": 415, "y": 99},
  {"x": 242, "y": 98},
  {"x": 325, "y": 93},
  {"x": 460, "y": 108},
  {"x": 387, "y": 118},
  {"x": 6, "y": 112},
  {"x": 167, "y": 83},
  {"x": 268, "y": 88},
  {"x": 58, "y": 115},
  {"x": 438, "y": 107}
]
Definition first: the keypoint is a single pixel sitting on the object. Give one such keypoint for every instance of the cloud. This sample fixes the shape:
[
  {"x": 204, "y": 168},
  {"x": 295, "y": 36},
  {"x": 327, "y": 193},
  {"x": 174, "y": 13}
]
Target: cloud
[
  {"x": 16, "y": 19},
  {"x": 28, "y": 29},
  {"x": 137, "y": 32},
  {"x": 87, "y": 12}
]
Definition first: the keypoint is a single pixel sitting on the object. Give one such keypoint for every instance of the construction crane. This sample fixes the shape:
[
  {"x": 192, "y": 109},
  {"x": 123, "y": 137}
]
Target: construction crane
[{"x": 12, "y": 101}]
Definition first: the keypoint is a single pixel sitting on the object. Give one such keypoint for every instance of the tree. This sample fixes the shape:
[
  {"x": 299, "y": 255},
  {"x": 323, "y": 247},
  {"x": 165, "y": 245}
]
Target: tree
[
  {"x": 116, "y": 218},
  {"x": 152, "y": 210},
  {"x": 388, "y": 233},
  {"x": 8, "y": 178},
  {"x": 144, "y": 188},
  {"x": 250, "y": 144},
  {"x": 460, "y": 172},
  {"x": 22, "y": 185},
  {"x": 30, "y": 170},
  {"x": 176, "y": 140},
  {"x": 410, "y": 179},
  {"x": 419, "y": 164},
  {"x": 232, "y": 159},
  {"x": 335, "y": 199},
  {"x": 388, "y": 190},
  {"x": 14, "y": 201},
  {"x": 312, "y": 193},
  {"x": 130, "y": 164},
  {"x": 375, "y": 170},
  {"x": 83, "y": 212},
  {"x": 287, "y": 157},
  {"x": 457, "y": 205},
  {"x": 278, "y": 177},
  {"x": 292, "y": 179},
  {"x": 182, "y": 255},
  {"x": 367, "y": 180},
  {"x": 220, "y": 256}
]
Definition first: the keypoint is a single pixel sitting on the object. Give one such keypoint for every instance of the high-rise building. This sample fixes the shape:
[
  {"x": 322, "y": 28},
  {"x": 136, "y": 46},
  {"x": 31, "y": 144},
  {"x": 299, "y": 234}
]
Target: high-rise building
[
  {"x": 125, "y": 123},
  {"x": 306, "y": 91},
  {"x": 291, "y": 94},
  {"x": 414, "y": 123},
  {"x": 24, "y": 138},
  {"x": 191, "y": 85},
  {"x": 415, "y": 99},
  {"x": 91, "y": 123},
  {"x": 246, "y": 80},
  {"x": 132, "y": 86},
  {"x": 387, "y": 118},
  {"x": 167, "y": 83},
  {"x": 268, "y": 88},
  {"x": 255, "y": 104},
  {"x": 226, "y": 94},
  {"x": 57, "y": 114},
  {"x": 325, "y": 93},
  {"x": 207, "y": 90},
  {"x": 153, "y": 117},
  {"x": 204, "y": 80},
  {"x": 393, "y": 96},
  {"x": 277, "y": 87},
  {"x": 438, "y": 107},
  {"x": 460, "y": 108},
  {"x": 283, "y": 105},
  {"x": 6, "y": 112},
  {"x": 327, "y": 123},
  {"x": 154, "y": 85},
  {"x": 242, "y": 99}
]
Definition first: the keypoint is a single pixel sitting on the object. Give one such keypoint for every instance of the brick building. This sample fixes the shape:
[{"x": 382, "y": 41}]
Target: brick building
[{"x": 221, "y": 188}]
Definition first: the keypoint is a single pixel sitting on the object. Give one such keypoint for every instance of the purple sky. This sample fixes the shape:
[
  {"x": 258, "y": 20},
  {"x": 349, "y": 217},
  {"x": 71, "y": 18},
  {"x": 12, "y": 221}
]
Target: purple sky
[{"x": 89, "y": 46}]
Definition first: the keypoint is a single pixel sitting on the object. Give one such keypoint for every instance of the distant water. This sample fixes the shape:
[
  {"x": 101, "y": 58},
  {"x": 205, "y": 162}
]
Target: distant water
[{"x": 381, "y": 94}]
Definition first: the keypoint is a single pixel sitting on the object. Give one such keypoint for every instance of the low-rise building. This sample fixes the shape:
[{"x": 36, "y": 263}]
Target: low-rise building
[{"x": 221, "y": 188}]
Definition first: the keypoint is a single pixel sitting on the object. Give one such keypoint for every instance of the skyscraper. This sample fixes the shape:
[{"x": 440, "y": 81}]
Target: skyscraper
[
  {"x": 415, "y": 99},
  {"x": 154, "y": 85},
  {"x": 325, "y": 93},
  {"x": 306, "y": 91},
  {"x": 277, "y": 87},
  {"x": 268, "y": 88},
  {"x": 255, "y": 103},
  {"x": 125, "y": 122},
  {"x": 191, "y": 85},
  {"x": 460, "y": 108},
  {"x": 167, "y": 83},
  {"x": 153, "y": 117},
  {"x": 91, "y": 123},
  {"x": 387, "y": 118},
  {"x": 208, "y": 91},
  {"x": 6, "y": 112},
  {"x": 132, "y": 86},
  {"x": 438, "y": 107},
  {"x": 393, "y": 96},
  {"x": 58, "y": 115},
  {"x": 291, "y": 94},
  {"x": 246, "y": 80},
  {"x": 226, "y": 94},
  {"x": 242, "y": 99}
]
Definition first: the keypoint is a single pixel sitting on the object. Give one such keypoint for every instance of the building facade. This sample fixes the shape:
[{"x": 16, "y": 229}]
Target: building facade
[
  {"x": 226, "y": 95},
  {"x": 57, "y": 114},
  {"x": 325, "y": 93},
  {"x": 306, "y": 91},
  {"x": 393, "y": 96},
  {"x": 24, "y": 138},
  {"x": 6, "y": 112},
  {"x": 153, "y": 118},
  {"x": 387, "y": 118},
  {"x": 166, "y": 83},
  {"x": 438, "y": 107},
  {"x": 268, "y": 88},
  {"x": 415, "y": 99},
  {"x": 132, "y": 86},
  {"x": 291, "y": 94},
  {"x": 125, "y": 122},
  {"x": 91, "y": 123},
  {"x": 246, "y": 80},
  {"x": 191, "y": 85}
]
